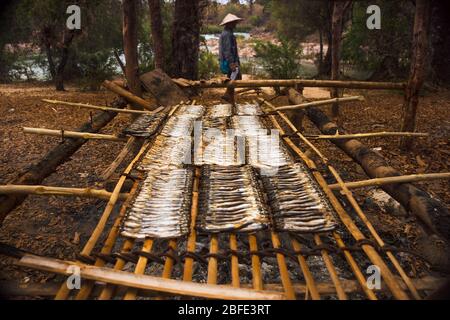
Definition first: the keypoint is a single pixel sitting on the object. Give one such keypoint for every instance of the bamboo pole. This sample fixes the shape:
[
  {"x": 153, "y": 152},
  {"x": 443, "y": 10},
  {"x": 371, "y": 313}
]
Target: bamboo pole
[
  {"x": 146, "y": 282},
  {"x": 129, "y": 96},
  {"x": 392, "y": 180},
  {"x": 367, "y": 135},
  {"x": 297, "y": 83},
  {"x": 58, "y": 191},
  {"x": 90, "y": 106},
  {"x": 320, "y": 103},
  {"x": 72, "y": 134}
]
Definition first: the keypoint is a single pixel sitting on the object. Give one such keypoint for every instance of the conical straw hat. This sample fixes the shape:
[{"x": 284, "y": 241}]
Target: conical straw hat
[{"x": 230, "y": 18}]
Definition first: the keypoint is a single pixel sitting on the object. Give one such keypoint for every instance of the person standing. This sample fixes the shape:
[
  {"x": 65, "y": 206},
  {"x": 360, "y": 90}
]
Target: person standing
[{"x": 228, "y": 53}]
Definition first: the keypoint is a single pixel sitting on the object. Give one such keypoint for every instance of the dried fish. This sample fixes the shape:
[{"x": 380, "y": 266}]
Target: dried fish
[
  {"x": 145, "y": 125},
  {"x": 161, "y": 208},
  {"x": 219, "y": 111},
  {"x": 297, "y": 202},
  {"x": 248, "y": 110},
  {"x": 240, "y": 208},
  {"x": 167, "y": 151},
  {"x": 193, "y": 111}
]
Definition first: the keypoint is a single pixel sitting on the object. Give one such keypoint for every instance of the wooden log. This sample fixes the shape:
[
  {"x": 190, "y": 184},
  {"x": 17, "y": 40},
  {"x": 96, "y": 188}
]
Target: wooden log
[
  {"x": 433, "y": 216},
  {"x": 57, "y": 191},
  {"x": 37, "y": 172},
  {"x": 90, "y": 106},
  {"x": 392, "y": 180},
  {"x": 367, "y": 135},
  {"x": 296, "y": 83},
  {"x": 163, "y": 88},
  {"x": 138, "y": 281},
  {"x": 320, "y": 103},
  {"x": 72, "y": 134},
  {"x": 129, "y": 96}
]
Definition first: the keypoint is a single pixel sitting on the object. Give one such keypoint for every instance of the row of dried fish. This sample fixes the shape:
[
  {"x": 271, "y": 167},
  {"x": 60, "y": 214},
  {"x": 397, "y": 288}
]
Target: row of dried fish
[
  {"x": 145, "y": 125},
  {"x": 162, "y": 206},
  {"x": 219, "y": 111},
  {"x": 230, "y": 200},
  {"x": 167, "y": 151},
  {"x": 248, "y": 110},
  {"x": 297, "y": 202}
]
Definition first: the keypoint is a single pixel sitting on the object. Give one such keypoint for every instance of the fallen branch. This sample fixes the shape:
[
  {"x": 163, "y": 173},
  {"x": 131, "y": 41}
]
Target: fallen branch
[
  {"x": 58, "y": 191},
  {"x": 320, "y": 103},
  {"x": 367, "y": 135},
  {"x": 392, "y": 180},
  {"x": 89, "y": 106},
  {"x": 72, "y": 134},
  {"x": 130, "y": 97}
]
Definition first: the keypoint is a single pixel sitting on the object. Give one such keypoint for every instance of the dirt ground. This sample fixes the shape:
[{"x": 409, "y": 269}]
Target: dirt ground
[{"x": 59, "y": 226}]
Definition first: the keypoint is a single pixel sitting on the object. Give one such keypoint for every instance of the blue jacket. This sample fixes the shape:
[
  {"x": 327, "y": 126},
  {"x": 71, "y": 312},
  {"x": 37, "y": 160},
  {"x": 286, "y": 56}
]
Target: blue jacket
[{"x": 228, "y": 47}]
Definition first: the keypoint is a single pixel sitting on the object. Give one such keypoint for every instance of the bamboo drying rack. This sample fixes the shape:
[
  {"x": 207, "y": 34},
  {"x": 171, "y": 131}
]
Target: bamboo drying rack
[{"x": 119, "y": 267}]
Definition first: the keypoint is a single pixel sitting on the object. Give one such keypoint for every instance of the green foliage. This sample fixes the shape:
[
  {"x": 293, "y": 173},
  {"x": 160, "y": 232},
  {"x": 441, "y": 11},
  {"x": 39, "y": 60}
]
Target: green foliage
[
  {"x": 294, "y": 20},
  {"x": 279, "y": 61},
  {"x": 94, "y": 68},
  {"x": 208, "y": 65},
  {"x": 255, "y": 20},
  {"x": 386, "y": 51}
]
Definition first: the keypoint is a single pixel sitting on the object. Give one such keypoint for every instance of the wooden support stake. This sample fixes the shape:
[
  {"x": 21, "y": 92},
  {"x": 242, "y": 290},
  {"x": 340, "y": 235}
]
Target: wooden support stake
[
  {"x": 392, "y": 180},
  {"x": 320, "y": 103},
  {"x": 72, "y": 134},
  {"x": 58, "y": 191}
]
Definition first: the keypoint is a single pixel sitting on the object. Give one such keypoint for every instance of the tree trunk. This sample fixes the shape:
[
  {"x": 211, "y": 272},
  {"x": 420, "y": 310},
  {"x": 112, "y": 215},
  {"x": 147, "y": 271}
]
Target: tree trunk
[
  {"x": 68, "y": 36},
  {"x": 45, "y": 38},
  {"x": 157, "y": 33},
  {"x": 433, "y": 215},
  {"x": 186, "y": 38},
  {"x": 339, "y": 9},
  {"x": 417, "y": 71},
  {"x": 440, "y": 42},
  {"x": 250, "y": 6},
  {"x": 320, "y": 65},
  {"x": 130, "y": 43},
  {"x": 37, "y": 172}
]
